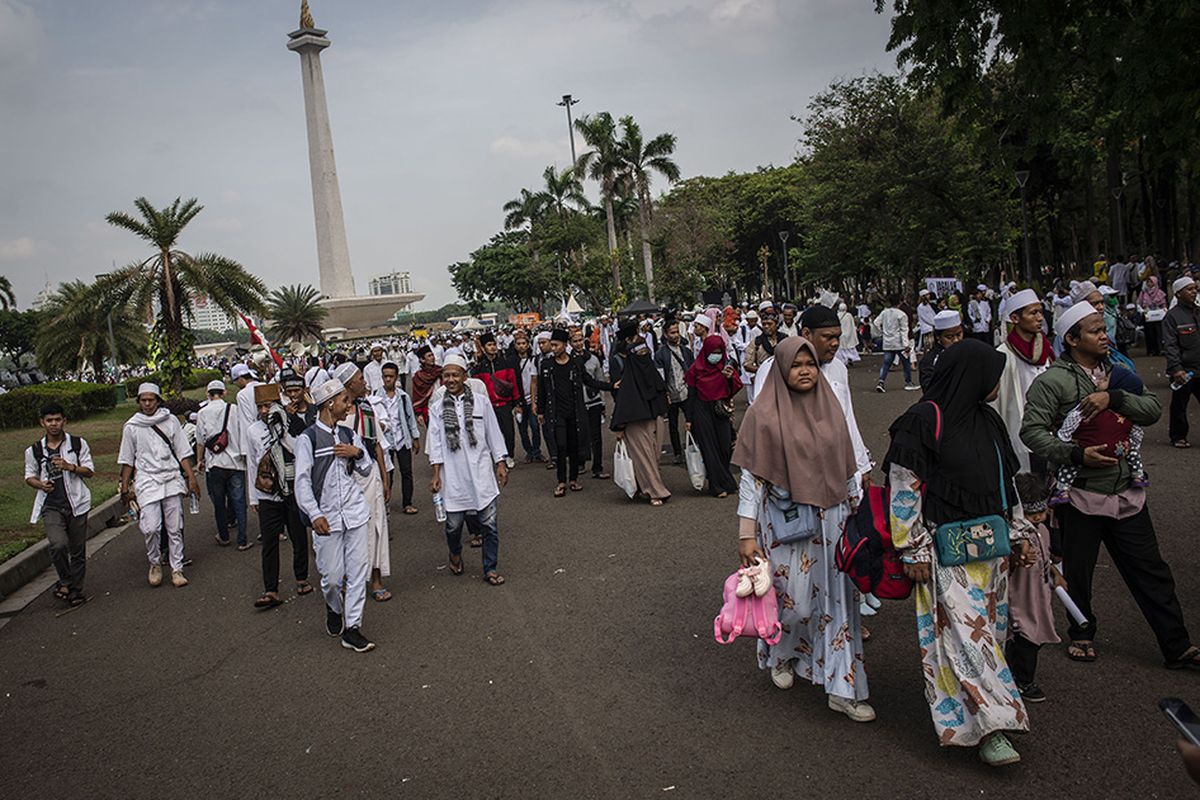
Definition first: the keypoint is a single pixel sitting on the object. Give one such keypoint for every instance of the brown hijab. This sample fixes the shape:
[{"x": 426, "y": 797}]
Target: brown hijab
[{"x": 797, "y": 441}]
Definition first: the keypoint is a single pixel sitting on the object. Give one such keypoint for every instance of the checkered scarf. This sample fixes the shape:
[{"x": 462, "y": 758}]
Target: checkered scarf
[{"x": 450, "y": 419}]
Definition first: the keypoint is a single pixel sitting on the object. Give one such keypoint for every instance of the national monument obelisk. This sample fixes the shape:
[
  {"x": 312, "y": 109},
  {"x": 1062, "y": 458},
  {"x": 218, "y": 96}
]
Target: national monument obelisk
[{"x": 333, "y": 254}]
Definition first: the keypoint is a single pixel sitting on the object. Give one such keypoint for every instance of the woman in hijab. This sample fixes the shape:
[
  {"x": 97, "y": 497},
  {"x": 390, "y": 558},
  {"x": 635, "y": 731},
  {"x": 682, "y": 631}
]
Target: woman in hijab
[
  {"x": 638, "y": 413},
  {"x": 799, "y": 478},
  {"x": 1153, "y": 298},
  {"x": 949, "y": 470},
  {"x": 712, "y": 382}
]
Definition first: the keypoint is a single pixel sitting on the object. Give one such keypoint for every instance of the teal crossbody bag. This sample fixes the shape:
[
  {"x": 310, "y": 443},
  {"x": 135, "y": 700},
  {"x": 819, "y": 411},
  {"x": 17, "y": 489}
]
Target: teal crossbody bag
[{"x": 978, "y": 539}]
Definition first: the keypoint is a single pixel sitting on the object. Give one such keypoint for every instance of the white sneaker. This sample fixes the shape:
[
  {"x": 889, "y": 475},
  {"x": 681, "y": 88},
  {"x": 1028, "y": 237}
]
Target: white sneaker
[
  {"x": 761, "y": 578},
  {"x": 873, "y": 601},
  {"x": 155, "y": 576},
  {"x": 744, "y": 586},
  {"x": 783, "y": 675},
  {"x": 908, "y": 387},
  {"x": 177, "y": 580},
  {"x": 508, "y": 462},
  {"x": 856, "y": 710}
]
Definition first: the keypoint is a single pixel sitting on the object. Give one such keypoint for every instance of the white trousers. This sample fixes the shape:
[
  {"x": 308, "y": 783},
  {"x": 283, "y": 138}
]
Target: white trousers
[
  {"x": 150, "y": 521},
  {"x": 343, "y": 554}
]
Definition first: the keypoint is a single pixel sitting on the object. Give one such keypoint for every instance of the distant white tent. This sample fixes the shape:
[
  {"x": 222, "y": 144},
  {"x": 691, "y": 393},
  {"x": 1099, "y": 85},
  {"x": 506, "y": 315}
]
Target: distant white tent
[{"x": 573, "y": 307}]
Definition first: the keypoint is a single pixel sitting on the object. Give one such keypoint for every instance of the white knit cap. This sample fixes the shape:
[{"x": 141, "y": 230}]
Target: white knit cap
[
  {"x": 1071, "y": 317},
  {"x": 766, "y": 305},
  {"x": 1081, "y": 290},
  {"x": 376, "y": 345},
  {"x": 1181, "y": 283},
  {"x": 149, "y": 388},
  {"x": 215, "y": 386},
  {"x": 240, "y": 371},
  {"x": 345, "y": 371},
  {"x": 1107, "y": 290},
  {"x": 1025, "y": 297},
  {"x": 945, "y": 320},
  {"x": 455, "y": 360},
  {"x": 542, "y": 336},
  {"x": 922, "y": 293},
  {"x": 705, "y": 320},
  {"x": 326, "y": 391},
  {"x": 981, "y": 288}
]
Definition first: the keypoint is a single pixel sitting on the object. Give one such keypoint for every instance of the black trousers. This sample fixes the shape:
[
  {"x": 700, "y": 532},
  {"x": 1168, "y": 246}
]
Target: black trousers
[
  {"x": 596, "y": 430},
  {"x": 566, "y": 437},
  {"x": 1133, "y": 547},
  {"x": 1179, "y": 407},
  {"x": 504, "y": 416},
  {"x": 673, "y": 412},
  {"x": 1153, "y": 331},
  {"x": 402, "y": 458},
  {"x": 1022, "y": 657},
  {"x": 548, "y": 436},
  {"x": 67, "y": 534},
  {"x": 273, "y": 519}
]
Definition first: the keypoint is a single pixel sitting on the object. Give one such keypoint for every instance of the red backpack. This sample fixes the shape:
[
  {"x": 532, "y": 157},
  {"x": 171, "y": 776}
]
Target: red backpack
[{"x": 865, "y": 551}]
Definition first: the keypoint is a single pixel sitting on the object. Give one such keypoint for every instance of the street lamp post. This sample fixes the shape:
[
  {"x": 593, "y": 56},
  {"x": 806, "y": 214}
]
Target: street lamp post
[
  {"x": 566, "y": 102},
  {"x": 1116, "y": 193},
  {"x": 787, "y": 276},
  {"x": 1022, "y": 179}
]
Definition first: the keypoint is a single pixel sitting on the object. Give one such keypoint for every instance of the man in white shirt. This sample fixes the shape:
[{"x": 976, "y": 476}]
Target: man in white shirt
[
  {"x": 315, "y": 375},
  {"x": 219, "y": 458},
  {"x": 892, "y": 325},
  {"x": 155, "y": 459},
  {"x": 245, "y": 379},
  {"x": 925, "y": 315},
  {"x": 373, "y": 371},
  {"x": 328, "y": 455},
  {"x": 979, "y": 310},
  {"x": 1028, "y": 353},
  {"x": 467, "y": 454},
  {"x": 401, "y": 431}
]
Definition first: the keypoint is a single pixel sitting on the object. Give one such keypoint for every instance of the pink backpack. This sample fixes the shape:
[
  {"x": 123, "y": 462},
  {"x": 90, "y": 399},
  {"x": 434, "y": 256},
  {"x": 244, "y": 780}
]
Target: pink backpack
[{"x": 747, "y": 616}]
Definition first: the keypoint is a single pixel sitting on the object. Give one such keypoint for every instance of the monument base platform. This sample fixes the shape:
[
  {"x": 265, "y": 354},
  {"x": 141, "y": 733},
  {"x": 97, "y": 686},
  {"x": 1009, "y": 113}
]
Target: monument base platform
[{"x": 365, "y": 311}]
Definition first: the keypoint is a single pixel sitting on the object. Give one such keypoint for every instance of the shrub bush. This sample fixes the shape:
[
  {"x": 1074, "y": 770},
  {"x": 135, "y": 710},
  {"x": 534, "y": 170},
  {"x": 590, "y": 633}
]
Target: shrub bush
[
  {"x": 200, "y": 377},
  {"x": 22, "y": 408}
]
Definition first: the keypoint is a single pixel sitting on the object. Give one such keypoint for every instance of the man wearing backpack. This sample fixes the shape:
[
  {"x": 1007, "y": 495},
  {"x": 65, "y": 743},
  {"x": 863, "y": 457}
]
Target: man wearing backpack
[
  {"x": 219, "y": 457},
  {"x": 55, "y": 466},
  {"x": 156, "y": 472}
]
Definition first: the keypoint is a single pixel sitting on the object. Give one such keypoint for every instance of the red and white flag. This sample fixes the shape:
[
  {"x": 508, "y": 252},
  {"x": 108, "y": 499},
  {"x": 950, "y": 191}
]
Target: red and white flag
[{"x": 258, "y": 336}]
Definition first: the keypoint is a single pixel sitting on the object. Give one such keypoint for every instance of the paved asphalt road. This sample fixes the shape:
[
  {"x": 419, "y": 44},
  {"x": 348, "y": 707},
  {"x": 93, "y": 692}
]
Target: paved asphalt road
[{"x": 592, "y": 673}]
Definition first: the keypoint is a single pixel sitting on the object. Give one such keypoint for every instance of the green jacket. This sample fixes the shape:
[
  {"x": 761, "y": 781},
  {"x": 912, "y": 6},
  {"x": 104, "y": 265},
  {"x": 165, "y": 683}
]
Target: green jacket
[{"x": 1052, "y": 396}]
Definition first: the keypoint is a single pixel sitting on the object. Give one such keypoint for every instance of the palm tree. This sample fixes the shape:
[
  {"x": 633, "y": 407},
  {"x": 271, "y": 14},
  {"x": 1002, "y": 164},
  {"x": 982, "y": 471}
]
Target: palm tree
[
  {"x": 7, "y": 299},
  {"x": 642, "y": 159},
  {"x": 74, "y": 331},
  {"x": 522, "y": 210},
  {"x": 563, "y": 191},
  {"x": 603, "y": 163},
  {"x": 170, "y": 276},
  {"x": 296, "y": 313}
]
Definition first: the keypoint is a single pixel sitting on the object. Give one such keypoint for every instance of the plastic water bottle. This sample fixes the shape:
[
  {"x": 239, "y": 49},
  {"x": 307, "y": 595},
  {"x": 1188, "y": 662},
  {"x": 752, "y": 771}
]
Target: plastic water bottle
[
  {"x": 1177, "y": 385},
  {"x": 439, "y": 507},
  {"x": 193, "y": 504},
  {"x": 518, "y": 416}
]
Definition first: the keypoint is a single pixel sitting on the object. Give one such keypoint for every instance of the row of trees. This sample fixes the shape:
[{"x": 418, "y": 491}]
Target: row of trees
[{"x": 1089, "y": 104}]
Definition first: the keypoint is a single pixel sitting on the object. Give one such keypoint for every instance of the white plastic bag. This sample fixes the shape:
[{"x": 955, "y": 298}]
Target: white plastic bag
[
  {"x": 695, "y": 463},
  {"x": 623, "y": 469}
]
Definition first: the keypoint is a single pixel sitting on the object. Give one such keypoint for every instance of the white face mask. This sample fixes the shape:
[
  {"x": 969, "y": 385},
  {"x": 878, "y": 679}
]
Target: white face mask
[{"x": 715, "y": 358}]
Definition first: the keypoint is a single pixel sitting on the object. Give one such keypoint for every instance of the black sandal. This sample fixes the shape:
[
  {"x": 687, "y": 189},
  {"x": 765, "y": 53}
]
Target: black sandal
[
  {"x": 476, "y": 541},
  {"x": 1189, "y": 660},
  {"x": 266, "y": 601},
  {"x": 1081, "y": 651},
  {"x": 456, "y": 569}
]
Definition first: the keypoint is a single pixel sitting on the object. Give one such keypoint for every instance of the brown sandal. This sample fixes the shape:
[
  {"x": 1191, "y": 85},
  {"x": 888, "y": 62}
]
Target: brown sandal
[
  {"x": 560, "y": 490},
  {"x": 576, "y": 486},
  {"x": 1081, "y": 651},
  {"x": 456, "y": 569},
  {"x": 494, "y": 579},
  {"x": 303, "y": 587}
]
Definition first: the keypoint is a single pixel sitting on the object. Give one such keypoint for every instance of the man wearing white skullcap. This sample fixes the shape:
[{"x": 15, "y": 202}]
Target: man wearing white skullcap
[
  {"x": 328, "y": 456},
  {"x": 373, "y": 371},
  {"x": 1181, "y": 345},
  {"x": 245, "y": 379},
  {"x": 925, "y": 314},
  {"x": 1104, "y": 504},
  {"x": 947, "y": 332},
  {"x": 1027, "y": 354},
  {"x": 154, "y": 449},
  {"x": 980, "y": 312}
]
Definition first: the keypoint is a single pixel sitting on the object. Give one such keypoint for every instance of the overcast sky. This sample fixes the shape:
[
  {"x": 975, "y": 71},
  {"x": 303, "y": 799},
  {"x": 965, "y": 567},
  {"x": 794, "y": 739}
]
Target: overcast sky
[{"x": 441, "y": 112}]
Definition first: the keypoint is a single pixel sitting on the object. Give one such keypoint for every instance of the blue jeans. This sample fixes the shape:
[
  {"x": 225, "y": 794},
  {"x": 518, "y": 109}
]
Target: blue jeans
[
  {"x": 531, "y": 433},
  {"x": 890, "y": 356},
  {"x": 487, "y": 529},
  {"x": 228, "y": 486}
]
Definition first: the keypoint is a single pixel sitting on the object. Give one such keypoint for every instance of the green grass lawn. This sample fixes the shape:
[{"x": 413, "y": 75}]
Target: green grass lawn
[{"x": 103, "y": 434}]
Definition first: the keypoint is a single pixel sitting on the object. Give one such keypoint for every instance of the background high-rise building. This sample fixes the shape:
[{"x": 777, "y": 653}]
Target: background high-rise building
[{"x": 392, "y": 283}]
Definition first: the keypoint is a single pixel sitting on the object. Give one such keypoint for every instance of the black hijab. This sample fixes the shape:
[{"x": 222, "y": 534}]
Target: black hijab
[
  {"x": 643, "y": 393},
  {"x": 960, "y": 471}
]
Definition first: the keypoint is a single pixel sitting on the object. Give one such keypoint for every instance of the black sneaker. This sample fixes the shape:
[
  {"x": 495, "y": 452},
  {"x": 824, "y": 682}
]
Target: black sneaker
[
  {"x": 1031, "y": 693},
  {"x": 333, "y": 622},
  {"x": 352, "y": 639},
  {"x": 879, "y": 388}
]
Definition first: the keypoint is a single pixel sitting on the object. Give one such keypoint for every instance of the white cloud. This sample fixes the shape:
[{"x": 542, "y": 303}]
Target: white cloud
[
  {"x": 16, "y": 249},
  {"x": 543, "y": 149},
  {"x": 21, "y": 36},
  {"x": 222, "y": 224}
]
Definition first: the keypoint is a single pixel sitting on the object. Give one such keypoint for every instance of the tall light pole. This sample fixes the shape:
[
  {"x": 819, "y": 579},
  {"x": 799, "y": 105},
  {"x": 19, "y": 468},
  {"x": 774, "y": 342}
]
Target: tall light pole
[
  {"x": 1022, "y": 179},
  {"x": 1116, "y": 193},
  {"x": 787, "y": 275},
  {"x": 566, "y": 102}
]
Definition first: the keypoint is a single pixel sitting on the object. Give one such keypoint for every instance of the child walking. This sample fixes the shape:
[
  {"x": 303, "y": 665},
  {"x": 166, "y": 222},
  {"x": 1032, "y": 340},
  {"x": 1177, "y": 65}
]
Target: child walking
[{"x": 1031, "y": 620}]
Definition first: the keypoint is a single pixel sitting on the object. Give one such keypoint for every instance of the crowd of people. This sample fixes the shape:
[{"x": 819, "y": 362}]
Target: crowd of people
[{"x": 1021, "y": 457}]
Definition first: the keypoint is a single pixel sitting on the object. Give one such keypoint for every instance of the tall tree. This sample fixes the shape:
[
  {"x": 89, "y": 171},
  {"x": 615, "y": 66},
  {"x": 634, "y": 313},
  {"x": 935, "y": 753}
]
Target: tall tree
[
  {"x": 296, "y": 314},
  {"x": 169, "y": 276},
  {"x": 603, "y": 163},
  {"x": 642, "y": 159},
  {"x": 563, "y": 192},
  {"x": 74, "y": 332},
  {"x": 8, "y": 300}
]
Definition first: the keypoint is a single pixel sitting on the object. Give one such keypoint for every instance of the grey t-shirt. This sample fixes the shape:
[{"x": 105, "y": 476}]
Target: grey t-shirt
[{"x": 56, "y": 500}]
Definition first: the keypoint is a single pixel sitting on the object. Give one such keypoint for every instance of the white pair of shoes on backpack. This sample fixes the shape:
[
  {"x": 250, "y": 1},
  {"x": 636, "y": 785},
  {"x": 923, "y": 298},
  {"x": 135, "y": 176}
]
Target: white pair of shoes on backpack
[{"x": 754, "y": 579}]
